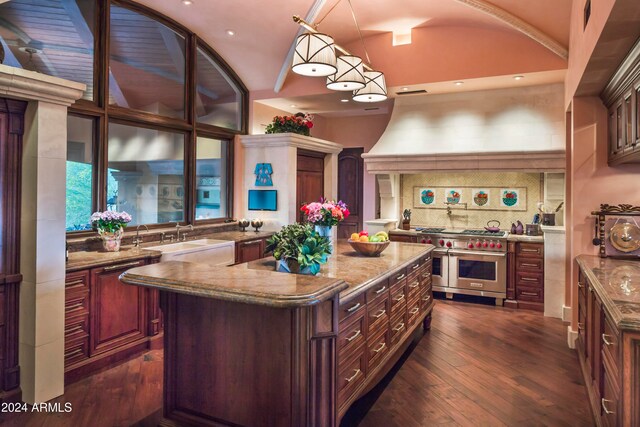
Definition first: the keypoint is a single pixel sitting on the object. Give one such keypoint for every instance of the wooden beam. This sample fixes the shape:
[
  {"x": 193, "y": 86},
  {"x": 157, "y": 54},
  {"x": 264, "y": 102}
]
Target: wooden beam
[
  {"x": 519, "y": 25},
  {"x": 313, "y": 13}
]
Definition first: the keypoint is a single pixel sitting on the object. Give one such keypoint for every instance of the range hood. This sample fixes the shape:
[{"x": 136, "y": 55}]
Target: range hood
[{"x": 519, "y": 129}]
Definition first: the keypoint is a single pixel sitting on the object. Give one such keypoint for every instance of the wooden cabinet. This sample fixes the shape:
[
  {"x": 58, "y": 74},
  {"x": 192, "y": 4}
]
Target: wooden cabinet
[
  {"x": 250, "y": 250},
  {"x": 403, "y": 237},
  {"x": 376, "y": 325},
  {"x": 107, "y": 321},
  {"x": 526, "y": 274},
  {"x": 11, "y": 131},
  {"x": 622, "y": 98},
  {"x": 610, "y": 360}
]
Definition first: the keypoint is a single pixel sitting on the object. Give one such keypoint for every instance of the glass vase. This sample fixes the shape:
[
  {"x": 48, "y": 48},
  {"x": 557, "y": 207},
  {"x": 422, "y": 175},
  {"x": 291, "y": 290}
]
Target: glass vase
[
  {"x": 326, "y": 231},
  {"x": 111, "y": 239}
]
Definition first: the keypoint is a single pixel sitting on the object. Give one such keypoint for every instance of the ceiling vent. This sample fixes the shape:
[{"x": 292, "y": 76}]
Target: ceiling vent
[{"x": 411, "y": 92}]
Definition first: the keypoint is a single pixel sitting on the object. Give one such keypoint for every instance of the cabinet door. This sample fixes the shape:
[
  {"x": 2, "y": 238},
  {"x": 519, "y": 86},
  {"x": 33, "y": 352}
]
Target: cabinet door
[
  {"x": 118, "y": 311},
  {"x": 637, "y": 115},
  {"x": 249, "y": 251},
  {"x": 613, "y": 134},
  {"x": 629, "y": 140}
]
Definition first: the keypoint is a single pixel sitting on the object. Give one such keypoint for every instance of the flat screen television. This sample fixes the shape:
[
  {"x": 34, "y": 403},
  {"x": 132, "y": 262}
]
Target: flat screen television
[{"x": 263, "y": 200}]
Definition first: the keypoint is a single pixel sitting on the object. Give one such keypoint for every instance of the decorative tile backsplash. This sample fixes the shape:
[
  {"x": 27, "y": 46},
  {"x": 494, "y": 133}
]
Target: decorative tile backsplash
[{"x": 478, "y": 196}]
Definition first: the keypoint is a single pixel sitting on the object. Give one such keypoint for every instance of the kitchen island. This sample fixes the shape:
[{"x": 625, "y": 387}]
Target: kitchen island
[{"x": 248, "y": 346}]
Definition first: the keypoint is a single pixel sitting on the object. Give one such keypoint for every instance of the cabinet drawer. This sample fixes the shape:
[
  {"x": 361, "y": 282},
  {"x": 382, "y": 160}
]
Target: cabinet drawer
[
  {"x": 379, "y": 290},
  {"x": 76, "y": 304},
  {"x": 611, "y": 346},
  {"x": 530, "y": 264},
  {"x": 398, "y": 328},
  {"x": 413, "y": 311},
  {"x": 76, "y": 350},
  {"x": 413, "y": 268},
  {"x": 425, "y": 285},
  {"x": 529, "y": 279},
  {"x": 352, "y": 308},
  {"x": 378, "y": 316},
  {"x": 535, "y": 250},
  {"x": 526, "y": 293},
  {"x": 426, "y": 298},
  {"x": 397, "y": 276},
  {"x": 398, "y": 300},
  {"x": 350, "y": 375},
  {"x": 378, "y": 349},
  {"x": 425, "y": 272},
  {"x": 426, "y": 259},
  {"x": 413, "y": 287},
  {"x": 352, "y": 335},
  {"x": 609, "y": 407},
  {"x": 75, "y": 327}
]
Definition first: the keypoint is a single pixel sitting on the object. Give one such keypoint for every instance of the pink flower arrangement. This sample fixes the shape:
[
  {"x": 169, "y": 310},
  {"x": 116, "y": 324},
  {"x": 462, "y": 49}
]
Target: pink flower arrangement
[
  {"x": 325, "y": 212},
  {"x": 110, "y": 221}
]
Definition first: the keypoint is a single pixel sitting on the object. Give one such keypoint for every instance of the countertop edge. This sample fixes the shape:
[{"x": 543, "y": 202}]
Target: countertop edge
[
  {"x": 226, "y": 294},
  {"x": 618, "y": 318},
  {"x": 147, "y": 254}
]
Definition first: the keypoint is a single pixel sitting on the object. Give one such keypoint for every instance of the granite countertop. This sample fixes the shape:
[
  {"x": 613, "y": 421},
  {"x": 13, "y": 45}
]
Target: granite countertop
[
  {"x": 257, "y": 282},
  {"x": 357, "y": 271},
  {"x": 617, "y": 283},
  {"x": 89, "y": 259},
  {"x": 525, "y": 238}
]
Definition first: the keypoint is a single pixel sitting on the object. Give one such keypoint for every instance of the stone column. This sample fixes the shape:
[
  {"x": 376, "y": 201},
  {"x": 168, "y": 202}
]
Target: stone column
[{"x": 42, "y": 240}]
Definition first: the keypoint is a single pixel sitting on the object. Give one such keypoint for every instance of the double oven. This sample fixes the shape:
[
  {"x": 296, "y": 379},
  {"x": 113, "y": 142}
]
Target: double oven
[{"x": 469, "y": 264}]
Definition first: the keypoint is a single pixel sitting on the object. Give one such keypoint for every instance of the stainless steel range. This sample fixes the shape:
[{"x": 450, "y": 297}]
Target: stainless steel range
[{"x": 468, "y": 261}]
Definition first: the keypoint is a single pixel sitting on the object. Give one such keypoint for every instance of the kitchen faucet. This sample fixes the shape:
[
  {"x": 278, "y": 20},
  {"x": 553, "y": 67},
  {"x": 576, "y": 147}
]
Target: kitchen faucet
[
  {"x": 138, "y": 239},
  {"x": 184, "y": 236},
  {"x": 449, "y": 211}
]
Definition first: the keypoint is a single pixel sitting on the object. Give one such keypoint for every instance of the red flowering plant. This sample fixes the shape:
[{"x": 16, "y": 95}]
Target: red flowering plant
[
  {"x": 325, "y": 212},
  {"x": 299, "y": 123}
]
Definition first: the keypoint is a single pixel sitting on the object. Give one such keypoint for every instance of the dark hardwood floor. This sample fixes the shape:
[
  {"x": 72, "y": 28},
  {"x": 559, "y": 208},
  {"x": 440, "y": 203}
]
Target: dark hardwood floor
[{"x": 479, "y": 365}]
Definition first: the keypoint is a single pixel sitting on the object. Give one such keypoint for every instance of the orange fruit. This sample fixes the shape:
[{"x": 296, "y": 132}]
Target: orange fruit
[
  {"x": 364, "y": 239},
  {"x": 355, "y": 237}
]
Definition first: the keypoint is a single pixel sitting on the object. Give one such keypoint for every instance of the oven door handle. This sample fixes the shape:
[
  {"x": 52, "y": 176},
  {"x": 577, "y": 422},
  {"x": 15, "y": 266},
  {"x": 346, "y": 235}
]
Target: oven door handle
[{"x": 474, "y": 253}]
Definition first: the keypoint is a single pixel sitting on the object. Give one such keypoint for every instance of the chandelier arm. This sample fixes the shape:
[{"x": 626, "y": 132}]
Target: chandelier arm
[
  {"x": 304, "y": 24},
  {"x": 353, "y": 13}
]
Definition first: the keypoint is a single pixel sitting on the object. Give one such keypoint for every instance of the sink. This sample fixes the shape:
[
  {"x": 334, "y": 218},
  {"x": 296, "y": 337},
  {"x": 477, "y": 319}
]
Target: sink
[{"x": 202, "y": 251}]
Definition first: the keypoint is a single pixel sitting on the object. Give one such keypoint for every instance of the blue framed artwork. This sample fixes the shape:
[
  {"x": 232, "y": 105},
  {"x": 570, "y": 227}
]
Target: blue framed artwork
[{"x": 263, "y": 173}]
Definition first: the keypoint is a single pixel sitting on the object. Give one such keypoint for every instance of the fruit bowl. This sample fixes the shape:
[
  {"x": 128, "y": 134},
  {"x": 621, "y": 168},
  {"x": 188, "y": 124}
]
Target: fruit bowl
[{"x": 369, "y": 248}]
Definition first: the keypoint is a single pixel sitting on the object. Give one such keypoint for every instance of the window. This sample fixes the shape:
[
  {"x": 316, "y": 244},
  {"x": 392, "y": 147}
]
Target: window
[
  {"x": 218, "y": 99},
  {"x": 146, "y": 64},
  {"x": 55, "y": 37},
  {"x": 146, "y": 174},
  {"x": 211, "y": 178},
  {"x": 79, "y": 202}
]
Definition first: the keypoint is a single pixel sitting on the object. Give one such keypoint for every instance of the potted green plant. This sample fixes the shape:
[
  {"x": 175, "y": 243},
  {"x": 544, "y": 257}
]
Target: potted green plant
[{"x": 299, "y": 249}]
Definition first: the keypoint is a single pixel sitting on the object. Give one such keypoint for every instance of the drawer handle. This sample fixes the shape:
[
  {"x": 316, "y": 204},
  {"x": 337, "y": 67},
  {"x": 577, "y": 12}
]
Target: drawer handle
[
  {"x": 425, "y": 275},
  {"x": 399, "y": 327},
  {"x": 606, "y": 341},
  {"x": 580, "y": 326},
  {"x": 525, "y": 264},
  {"x": 415, "y": 266},
  {"x": 414, "y": 284},
  {"x": 476, "y": 285},
  {"x": 353, "y": 308},
  {"x": 531, "y": 294},
  {"x": 427, "y": 298},
  {"x": 400, "y": 277},
  {"x": 73, "y": 353},
  {"x": 529, "y": 250},
  {"x": 121, "y": 266},
  {"x": 604, "y": 401},
  {"x": 379, "y": 314},
  {"x": 381, "y": 290},
  {"x": 353, "y": 377},
  {"x": 379, "y": 349},
  {"x": 354, "y": 336},
  {"x": 528, "y": 279},
  {"x": 580, "y": 285},
  {"x": 400, "y": 298},
  {"x": 590, "y": 289},
  {"x": 414, "y": 311}
]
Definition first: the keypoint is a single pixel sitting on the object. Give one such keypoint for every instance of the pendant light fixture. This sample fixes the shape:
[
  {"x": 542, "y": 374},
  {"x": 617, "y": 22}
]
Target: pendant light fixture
[
  {"x": 315, "y": 55},
  {"x": 349, "y": 76},
  {"x": 351, "y": 72},
  {"x": 375, "y": 89}
]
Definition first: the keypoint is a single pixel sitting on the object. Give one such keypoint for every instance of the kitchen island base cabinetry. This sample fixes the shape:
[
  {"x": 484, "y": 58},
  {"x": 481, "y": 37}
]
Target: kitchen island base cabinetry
[{"x": 608, "y": 343}]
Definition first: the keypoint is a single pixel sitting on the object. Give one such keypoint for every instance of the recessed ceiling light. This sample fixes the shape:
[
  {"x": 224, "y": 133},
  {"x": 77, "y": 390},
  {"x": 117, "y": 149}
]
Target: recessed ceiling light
[
  {"x": 231, "y": 33},
  {"x": 458, "y": 83},
  {"x": 293, "y": 105},
  {"x": 518, "y": 77},
  {"x": 344, "y": 100},
  {"x": 187, "y": 2},
  {"x": 405, "y": 88}
]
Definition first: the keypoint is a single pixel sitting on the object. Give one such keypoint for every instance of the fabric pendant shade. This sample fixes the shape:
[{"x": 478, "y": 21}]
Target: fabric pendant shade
[
  {"x": 375, "y": 89},
  {"x": 315, "y": 55},
  {"x": 349, "y": 76}
]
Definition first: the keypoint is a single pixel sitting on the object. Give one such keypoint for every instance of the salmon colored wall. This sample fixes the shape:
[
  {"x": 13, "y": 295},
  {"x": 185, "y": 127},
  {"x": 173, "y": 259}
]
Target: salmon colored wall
[
  {"x": 583, "y": 40},
  {"x": 593, "y": 181},
  {"x": 359, "y": 131}
]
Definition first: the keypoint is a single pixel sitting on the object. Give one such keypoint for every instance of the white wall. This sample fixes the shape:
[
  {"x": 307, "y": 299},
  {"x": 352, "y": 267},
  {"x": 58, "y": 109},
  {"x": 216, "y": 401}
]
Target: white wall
[{"x": 520, "y": 119}]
